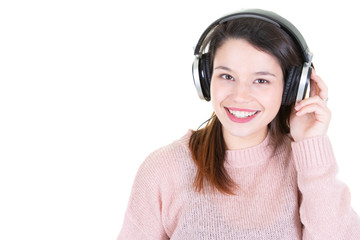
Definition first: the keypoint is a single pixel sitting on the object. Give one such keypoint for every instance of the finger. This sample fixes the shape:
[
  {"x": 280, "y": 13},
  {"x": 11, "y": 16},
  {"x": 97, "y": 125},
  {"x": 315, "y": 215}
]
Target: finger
[
  {"x": 314, "y": 89},
  {"x": 322, "y": 114},
  {"x": 318, "y": 86},
  {"x": 310, "y": 100}
]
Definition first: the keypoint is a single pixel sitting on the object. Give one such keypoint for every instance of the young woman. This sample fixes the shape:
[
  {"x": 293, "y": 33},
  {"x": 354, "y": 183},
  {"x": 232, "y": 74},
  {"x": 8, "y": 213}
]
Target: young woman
[{"x": 263, "y": 167}]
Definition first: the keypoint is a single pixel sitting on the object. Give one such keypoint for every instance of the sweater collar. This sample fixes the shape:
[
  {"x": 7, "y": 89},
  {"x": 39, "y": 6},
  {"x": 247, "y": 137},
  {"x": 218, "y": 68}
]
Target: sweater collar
[{"x": 251, "y": 156}]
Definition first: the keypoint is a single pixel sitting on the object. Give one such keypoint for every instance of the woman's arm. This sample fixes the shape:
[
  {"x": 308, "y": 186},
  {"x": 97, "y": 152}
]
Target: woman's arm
[
  {"x": 143, "y": 215},
  {"x": 325, "y": 208}
]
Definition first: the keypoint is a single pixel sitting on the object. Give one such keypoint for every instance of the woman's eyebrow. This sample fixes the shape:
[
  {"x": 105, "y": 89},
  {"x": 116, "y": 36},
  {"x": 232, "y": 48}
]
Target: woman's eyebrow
[
  {"x": 223, "y": 68},
  {"x": 262, "y": 73}
]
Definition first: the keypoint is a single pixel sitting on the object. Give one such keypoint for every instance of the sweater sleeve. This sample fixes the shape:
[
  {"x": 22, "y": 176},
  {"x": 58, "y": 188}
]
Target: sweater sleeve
[
  {"x": 143, "y": 215},
  {"x": 325, "y": 208}
]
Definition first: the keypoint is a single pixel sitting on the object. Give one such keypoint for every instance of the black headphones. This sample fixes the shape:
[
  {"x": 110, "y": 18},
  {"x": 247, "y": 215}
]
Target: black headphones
[{"x": 298, "y": 79}]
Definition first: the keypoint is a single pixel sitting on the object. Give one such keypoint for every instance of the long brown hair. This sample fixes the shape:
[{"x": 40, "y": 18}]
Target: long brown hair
[{"x": 207, "y": 145}]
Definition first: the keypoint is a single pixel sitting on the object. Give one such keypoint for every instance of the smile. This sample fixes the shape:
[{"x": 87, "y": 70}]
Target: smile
[{"x": 241, "y": 115}]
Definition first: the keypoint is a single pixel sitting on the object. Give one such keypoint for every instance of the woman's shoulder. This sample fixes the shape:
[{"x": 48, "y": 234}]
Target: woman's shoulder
[
  {"x": 169, "y": 156},
  {"x": 175, "y": 149}
]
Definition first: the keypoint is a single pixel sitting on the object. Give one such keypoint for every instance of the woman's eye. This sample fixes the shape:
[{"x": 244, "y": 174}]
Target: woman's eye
[
  {"x": 261, "y": 81},
  {"x": 227, "y": 77}
]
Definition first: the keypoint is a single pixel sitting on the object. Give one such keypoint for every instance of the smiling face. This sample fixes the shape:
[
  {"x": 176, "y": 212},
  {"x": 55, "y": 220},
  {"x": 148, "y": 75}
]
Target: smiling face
[{"x": 246, "y": 92}]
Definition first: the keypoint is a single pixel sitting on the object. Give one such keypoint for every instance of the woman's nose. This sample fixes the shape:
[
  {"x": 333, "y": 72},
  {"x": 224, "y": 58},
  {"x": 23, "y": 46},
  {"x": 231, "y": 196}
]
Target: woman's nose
[{"x": 242, "y": 92}]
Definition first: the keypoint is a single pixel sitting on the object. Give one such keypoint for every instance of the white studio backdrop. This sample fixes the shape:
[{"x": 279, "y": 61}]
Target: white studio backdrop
[{"x": 89, "y": 88}]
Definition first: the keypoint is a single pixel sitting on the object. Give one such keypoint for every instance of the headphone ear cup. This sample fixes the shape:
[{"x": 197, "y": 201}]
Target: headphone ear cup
[
  {"x": 205, "y": 75},
  {"x": 291, "y": 86}
]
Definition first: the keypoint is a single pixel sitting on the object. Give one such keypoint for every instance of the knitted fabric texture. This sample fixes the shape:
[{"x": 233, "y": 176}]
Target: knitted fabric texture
[{"x": 292, "y": 194}]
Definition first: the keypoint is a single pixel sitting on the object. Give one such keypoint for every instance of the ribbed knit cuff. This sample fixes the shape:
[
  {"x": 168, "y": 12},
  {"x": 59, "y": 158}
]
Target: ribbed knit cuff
[{"x": 313, "y": 153}]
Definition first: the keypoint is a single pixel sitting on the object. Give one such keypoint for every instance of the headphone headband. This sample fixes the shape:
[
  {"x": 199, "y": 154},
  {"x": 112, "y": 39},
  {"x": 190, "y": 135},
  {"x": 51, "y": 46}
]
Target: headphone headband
[{"x": 268, "y": 16}]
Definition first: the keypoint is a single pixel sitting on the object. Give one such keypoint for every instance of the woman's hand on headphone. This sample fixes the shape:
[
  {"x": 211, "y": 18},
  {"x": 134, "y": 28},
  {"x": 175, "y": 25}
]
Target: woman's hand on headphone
[{"x": 311, "y": 116}]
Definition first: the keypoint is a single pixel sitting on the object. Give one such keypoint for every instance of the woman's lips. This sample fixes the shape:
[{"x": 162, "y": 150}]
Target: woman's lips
[{"x": 240, "y": 115}]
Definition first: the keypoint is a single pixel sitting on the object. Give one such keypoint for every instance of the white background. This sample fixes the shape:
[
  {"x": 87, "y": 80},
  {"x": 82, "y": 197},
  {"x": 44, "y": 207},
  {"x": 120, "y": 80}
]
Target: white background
[{"x": 89, "y": 88}]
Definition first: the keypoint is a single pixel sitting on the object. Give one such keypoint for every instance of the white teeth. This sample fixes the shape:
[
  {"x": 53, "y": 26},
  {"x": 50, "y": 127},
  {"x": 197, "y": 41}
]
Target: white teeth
[{"x": 241, "y": 114}]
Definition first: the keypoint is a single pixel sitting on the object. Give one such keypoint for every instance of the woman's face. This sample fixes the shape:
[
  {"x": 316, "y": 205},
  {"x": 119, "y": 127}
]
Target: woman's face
[{"x": 246, "y": 92}]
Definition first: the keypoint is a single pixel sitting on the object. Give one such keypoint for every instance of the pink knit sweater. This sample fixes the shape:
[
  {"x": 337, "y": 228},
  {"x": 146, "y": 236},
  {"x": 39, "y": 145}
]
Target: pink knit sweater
[{"x": 292, "y": 195}]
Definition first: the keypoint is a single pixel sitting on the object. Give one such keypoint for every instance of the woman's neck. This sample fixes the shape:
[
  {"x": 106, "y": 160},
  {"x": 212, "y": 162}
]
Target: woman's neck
[{"x": 234, "y": 142}]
